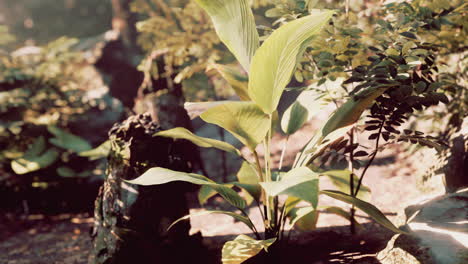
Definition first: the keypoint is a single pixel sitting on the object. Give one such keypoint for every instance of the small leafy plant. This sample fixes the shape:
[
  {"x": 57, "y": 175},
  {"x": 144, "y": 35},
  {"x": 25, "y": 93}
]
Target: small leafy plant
[{"x": 277, "y": 193}]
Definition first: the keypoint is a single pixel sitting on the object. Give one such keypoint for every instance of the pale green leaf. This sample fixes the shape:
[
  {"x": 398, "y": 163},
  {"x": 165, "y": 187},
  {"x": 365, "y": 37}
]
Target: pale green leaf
[
  {"x": 183, "y": 133},
  {"x": 206, "y": 192},
  {"x": 275, "y": 61},
  {"x": 294, "y": 118},
  {"x": 245, "y": 120},
  {"x": 238, "y": 217},
  {"x": 304, "y": 218},
  {"x": 101, "y": 151},
  {"x": 248, "y": 181},
  {"x": 366, "y": 207},
  {"x": 299, "y": 182},
  {"x": 350, "y": 112},
  {"x": 157, "y": 175},
  {"x": 340, "y": 178},
  {"x": 67, "y": 140},
  {"x": 235, "y": 25},
  {"x": 242, "y": 248}
]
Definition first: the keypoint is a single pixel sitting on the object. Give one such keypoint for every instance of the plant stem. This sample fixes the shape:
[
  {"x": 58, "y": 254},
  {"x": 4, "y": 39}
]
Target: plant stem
[
  {"x": 351, "y": 183},
  {"x": 282, "y": 153},
  {"x": 371, "y": 159},
  {"x": 262, "y": 179}
]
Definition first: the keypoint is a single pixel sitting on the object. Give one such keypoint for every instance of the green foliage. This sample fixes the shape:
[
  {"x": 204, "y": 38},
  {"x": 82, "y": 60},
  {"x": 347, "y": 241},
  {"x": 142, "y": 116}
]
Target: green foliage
[
  {"x": 43, "y": 91},
  {"x": 299, "y": 182},
  {"x": 183, "y": 133},
  {"x": 245, "y": 120},
  {"x": 243, "y": 248},
  {"x": 276, "y": 59},
  {"x": 386, "y": 63},
  {"x": 366, "y": 207},
  {"x": 156, "y": 176},
  {"x": 235, "y": 26}
]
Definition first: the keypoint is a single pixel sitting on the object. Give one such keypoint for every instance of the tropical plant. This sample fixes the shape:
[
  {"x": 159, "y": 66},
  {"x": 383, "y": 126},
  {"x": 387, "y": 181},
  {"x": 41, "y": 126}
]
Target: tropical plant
[{"x": 277, "y": 193}]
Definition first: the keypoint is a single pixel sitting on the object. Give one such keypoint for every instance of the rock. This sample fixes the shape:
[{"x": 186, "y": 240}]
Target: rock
[{"x": 437, "y": 233}]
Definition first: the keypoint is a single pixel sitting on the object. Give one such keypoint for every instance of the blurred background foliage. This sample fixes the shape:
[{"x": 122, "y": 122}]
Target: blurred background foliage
[{"x": 55, "y": 104}]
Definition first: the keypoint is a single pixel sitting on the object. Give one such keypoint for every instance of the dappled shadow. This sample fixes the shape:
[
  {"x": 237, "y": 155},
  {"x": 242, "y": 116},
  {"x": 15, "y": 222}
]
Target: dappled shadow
[{"x": 324, "y": 245}]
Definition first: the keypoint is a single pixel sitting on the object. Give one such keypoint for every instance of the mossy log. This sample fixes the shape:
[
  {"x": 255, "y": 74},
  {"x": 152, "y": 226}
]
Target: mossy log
[{"x": 131, "y": 221}]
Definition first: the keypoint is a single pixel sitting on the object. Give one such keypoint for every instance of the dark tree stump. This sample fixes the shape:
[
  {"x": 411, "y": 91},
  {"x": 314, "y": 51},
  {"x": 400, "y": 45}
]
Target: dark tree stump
[
  {"x": 456, "y": 170},
  {"x": 130, "y": 220}
]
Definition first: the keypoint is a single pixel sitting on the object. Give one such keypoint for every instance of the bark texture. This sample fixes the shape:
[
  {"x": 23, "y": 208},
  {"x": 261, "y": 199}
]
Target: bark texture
[{"x": 130, "y": 220}]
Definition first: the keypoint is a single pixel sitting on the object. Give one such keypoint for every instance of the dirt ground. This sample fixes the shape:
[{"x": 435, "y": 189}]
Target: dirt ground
[{"x": 37, "y": 239}]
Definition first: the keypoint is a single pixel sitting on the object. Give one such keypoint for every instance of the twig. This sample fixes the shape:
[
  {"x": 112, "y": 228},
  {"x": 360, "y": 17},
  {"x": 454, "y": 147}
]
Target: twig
[{"x": 371, "y": 160}]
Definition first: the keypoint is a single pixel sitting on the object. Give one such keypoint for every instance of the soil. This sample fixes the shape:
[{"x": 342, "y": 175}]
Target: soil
[{"x": 64, "y": 238}]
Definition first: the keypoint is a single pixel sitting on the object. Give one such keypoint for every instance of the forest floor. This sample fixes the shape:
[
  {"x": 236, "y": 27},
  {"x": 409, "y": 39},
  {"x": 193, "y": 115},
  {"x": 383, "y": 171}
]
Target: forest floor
[{"x": 37, "y": 239}]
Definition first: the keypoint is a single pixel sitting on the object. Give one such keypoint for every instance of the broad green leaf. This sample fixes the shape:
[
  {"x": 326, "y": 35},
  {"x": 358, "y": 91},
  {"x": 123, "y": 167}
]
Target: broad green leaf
[
  {"x": 290, "y": 204},
  {"x": 238, "y": 217},
  {"x": 299, "y": 182},
  {"x": 275, "y": 61},
  {"x": 29, "y": 163},
  {"x": 366, "y": 207},
  {"x": 206, "y": 192},
  {"x": 235, "y": 25},
  {"x": 101, "y": 151},
  {"x": 183, "y": 133},
  {"x": 38, "y": 147},
  {"x": 340, "y": 178},
  {"x": 67, "y": 140},
  {"x": 350, "y": 112},
  {"x": 245, "y": 120},
  {"x": 237, "y": 80},
  {"x": 157, "y": 175},
  {"x": 304, "y": 218},
  {"x": 294, "y": 118},
  {"x": 248, "y": 181},
  {"x": 242, "y": 248}
]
